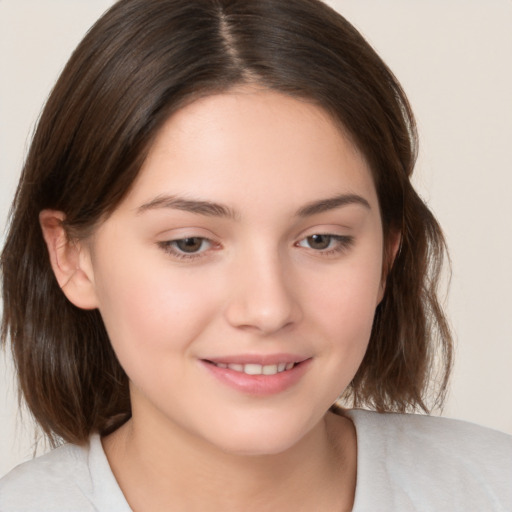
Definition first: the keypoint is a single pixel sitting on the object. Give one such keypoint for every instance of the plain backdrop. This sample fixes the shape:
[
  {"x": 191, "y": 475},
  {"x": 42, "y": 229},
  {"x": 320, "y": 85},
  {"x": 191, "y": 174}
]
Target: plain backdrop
[{"x": 454, "y": 59}]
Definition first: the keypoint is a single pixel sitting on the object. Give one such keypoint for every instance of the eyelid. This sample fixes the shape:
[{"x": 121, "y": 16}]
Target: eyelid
[{"x": 181, "y": 231}]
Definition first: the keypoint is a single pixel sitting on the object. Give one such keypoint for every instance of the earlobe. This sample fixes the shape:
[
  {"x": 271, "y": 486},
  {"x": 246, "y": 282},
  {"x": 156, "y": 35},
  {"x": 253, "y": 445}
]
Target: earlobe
[{"x": 70, "y": 261}]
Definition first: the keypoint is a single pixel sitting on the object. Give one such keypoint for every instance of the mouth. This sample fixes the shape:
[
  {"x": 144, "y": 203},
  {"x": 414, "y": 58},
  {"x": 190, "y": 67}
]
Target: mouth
[
  {"x": 256, "y": 369},
  {"x": 259, "y": 375}
]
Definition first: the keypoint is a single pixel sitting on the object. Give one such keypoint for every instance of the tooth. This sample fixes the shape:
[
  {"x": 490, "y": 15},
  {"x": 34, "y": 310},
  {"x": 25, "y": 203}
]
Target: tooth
[
  {"x": 270, "y": 369},
  {"x": 253, "y": 369},
  {"x": 257, "y": 369}
]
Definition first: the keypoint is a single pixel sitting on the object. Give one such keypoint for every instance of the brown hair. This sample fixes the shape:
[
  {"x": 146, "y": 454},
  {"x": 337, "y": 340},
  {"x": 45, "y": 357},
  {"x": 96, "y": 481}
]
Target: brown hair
[{"x": 139, "y": 63}]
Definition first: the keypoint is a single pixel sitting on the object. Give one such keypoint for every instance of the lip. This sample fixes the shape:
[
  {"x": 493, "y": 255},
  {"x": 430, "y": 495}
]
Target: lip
[
  {"x": 258, "y": 385},
  {"x": 263, "y": 359}
]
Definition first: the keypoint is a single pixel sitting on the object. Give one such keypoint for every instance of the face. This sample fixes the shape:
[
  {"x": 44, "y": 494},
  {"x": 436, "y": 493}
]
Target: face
[{"x": 239, "y": 278}]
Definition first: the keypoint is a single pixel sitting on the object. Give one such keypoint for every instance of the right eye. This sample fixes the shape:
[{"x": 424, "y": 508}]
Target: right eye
[{"x": 186, "y": 248}]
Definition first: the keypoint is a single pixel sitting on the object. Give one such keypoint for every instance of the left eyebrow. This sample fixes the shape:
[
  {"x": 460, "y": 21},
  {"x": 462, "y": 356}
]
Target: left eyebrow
[{"x": 324, "y": 205}]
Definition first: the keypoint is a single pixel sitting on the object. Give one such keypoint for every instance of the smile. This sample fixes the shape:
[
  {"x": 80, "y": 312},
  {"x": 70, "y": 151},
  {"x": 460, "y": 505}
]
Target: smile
[
  {"x": 257, "y": 369},
  {"x": 259, "y": 375}
]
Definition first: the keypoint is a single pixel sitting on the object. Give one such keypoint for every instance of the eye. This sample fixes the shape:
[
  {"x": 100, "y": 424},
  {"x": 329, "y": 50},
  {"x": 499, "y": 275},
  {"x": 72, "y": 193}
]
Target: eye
[
  {"x": 318, "y": 242},
  {"x": 325, "y": 243},
  {"x": 187, "y": 248},
  {"x": 190, "y": 245}
]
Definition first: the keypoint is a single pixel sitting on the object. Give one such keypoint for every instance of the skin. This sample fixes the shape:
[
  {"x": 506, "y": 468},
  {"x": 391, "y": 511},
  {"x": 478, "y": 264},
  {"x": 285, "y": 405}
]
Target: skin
[{"x": 259, "y": 284}]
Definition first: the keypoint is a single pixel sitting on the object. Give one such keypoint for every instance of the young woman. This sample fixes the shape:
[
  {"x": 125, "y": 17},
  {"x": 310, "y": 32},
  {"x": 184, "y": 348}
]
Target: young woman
[{"x": 214, "y": 238}]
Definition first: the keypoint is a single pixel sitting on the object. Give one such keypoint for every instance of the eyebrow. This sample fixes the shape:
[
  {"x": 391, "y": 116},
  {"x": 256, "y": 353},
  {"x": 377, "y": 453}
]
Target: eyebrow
[
  {"x": 331, "y": 203},
  {"x": 207, "y": 208},
  {"x": 211, "y": 209}
]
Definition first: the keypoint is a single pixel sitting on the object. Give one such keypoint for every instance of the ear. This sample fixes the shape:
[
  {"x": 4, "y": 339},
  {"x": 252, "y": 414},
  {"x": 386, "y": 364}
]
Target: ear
[
  {"x": 70, "y": 261},
  {"x": 390, "y": 251}
]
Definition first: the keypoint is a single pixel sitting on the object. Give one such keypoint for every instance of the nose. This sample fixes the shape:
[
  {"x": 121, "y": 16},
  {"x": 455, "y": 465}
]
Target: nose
[{"x": 263, "y": 295}]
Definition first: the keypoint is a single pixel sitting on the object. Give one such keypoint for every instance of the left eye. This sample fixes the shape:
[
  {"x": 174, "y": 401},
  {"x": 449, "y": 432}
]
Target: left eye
[{"x": 321, "y": 242}]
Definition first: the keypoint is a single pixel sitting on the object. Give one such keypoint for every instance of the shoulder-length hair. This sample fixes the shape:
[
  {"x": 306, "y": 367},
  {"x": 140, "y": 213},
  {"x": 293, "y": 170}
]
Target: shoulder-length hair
[{"x": 142, "y": 61}]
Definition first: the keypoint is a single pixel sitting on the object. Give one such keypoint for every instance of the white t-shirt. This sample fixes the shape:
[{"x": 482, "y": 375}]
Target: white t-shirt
[{"x": 404, "y": 463}]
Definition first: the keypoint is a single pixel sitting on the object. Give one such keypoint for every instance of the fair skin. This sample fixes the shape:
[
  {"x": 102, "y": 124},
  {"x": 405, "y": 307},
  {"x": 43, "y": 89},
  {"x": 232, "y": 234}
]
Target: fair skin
[{"x": 251, "y": 242}]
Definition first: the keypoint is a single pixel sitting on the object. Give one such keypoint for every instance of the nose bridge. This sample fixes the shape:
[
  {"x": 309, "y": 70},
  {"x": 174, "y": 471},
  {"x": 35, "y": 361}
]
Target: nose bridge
[{"x": 263, "y": 294}]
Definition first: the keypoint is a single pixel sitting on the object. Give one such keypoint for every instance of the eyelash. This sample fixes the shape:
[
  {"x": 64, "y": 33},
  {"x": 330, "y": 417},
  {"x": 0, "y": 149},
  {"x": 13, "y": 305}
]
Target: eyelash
[{"x": 342, "y": 243}]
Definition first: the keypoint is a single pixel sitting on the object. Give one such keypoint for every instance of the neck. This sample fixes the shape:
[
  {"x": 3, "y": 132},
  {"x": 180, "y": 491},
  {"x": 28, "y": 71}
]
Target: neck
[{"x": 161, "y": 471}]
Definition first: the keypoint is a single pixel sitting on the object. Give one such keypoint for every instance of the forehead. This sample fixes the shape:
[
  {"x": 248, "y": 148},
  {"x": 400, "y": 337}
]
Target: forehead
[{"x": 252, "y": 144}]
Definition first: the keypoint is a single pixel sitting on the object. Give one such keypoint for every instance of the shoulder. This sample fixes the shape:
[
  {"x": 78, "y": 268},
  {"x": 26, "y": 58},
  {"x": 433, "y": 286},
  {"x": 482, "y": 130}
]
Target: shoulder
[
  {"x": 448, "y": 462},
  {"x": 416, "y": 428},
  {"x": 54, "y": 479},
  {"x": 68, "y": 478}
]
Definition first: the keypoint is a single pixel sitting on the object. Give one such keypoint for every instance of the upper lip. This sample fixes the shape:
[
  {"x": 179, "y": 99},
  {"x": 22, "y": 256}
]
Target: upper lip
[{"x": 262, "y": 359}]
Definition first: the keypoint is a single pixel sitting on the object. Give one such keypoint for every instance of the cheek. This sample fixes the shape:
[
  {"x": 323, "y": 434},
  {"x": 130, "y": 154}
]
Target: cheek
[
  {"x": 348, "y": 297},
  {"x": 151, "y": 310},
  {"x": 345, "y": 309}
]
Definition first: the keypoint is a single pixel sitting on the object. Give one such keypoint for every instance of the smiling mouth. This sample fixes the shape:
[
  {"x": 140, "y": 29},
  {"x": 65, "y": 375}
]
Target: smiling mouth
[{"x": 256, "y": 369}]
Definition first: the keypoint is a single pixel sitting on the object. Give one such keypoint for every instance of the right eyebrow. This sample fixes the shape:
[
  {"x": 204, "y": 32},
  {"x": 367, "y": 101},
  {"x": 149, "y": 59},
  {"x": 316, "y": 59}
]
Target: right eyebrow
[{"x": 200, "y": 207}]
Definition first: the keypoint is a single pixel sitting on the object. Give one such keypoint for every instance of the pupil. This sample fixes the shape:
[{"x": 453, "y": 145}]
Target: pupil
[
  {"x": 319, "y": 241},
  {"x": 189, "y": 244}
]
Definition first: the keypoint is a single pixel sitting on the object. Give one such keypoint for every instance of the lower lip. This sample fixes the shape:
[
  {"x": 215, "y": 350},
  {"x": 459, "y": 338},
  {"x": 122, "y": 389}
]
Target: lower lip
[{"x": 259, "y": 385}]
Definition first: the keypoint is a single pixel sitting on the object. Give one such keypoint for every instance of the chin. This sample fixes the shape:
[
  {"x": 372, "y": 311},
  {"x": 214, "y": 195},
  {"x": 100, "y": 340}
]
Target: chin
[{"x": 259, "y": 438}]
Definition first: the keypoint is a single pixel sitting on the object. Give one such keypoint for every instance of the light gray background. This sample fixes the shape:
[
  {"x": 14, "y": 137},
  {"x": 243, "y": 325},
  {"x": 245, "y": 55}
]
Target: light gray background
[{"x": 454, "y": 59}]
